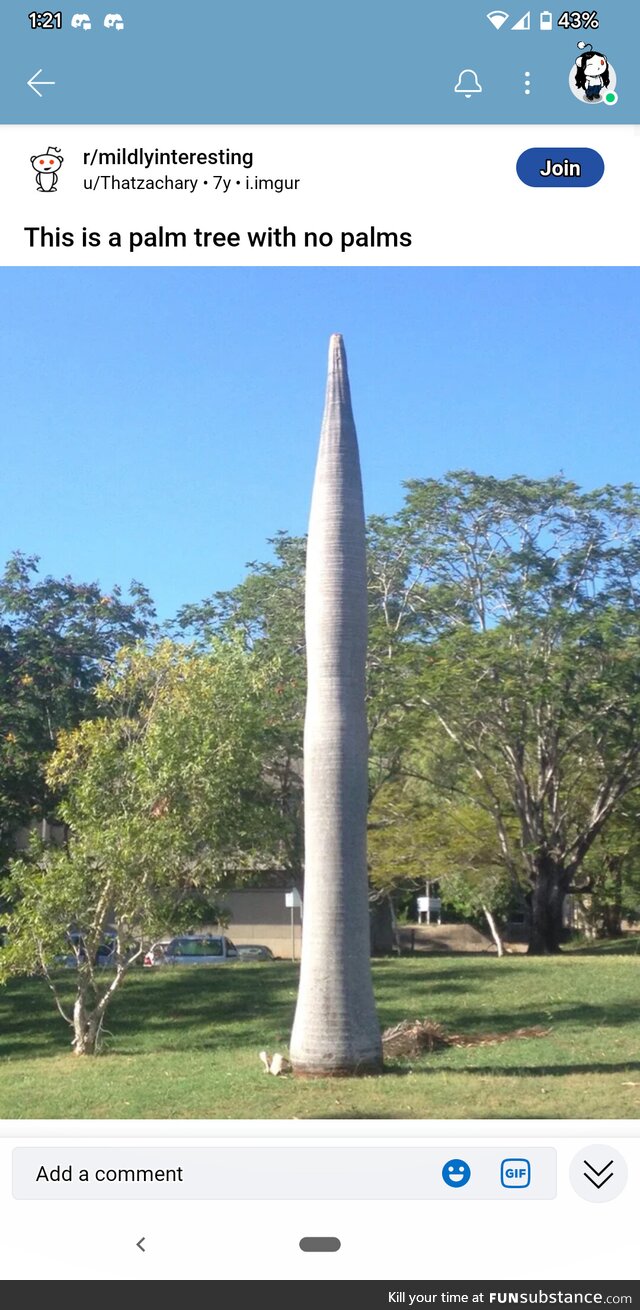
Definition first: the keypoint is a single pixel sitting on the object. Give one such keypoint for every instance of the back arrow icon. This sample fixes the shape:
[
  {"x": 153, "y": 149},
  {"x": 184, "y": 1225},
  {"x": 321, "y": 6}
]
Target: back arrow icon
[
  {"x": 34, "y": 85},
  {"x": 141, "y": 1244}
]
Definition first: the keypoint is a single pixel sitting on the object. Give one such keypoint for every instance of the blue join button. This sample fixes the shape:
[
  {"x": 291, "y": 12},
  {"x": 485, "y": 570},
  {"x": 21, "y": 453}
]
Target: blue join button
[{"x": 554, "y": 168}]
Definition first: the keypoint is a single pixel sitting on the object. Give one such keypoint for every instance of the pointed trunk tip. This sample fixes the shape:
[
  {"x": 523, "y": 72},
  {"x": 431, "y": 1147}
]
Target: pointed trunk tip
[{"x": 337, "y": 363}]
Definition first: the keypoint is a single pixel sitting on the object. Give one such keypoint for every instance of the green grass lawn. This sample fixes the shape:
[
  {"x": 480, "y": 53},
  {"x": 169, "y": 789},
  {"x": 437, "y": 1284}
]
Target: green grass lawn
[{"x": 184, "y": 1044}]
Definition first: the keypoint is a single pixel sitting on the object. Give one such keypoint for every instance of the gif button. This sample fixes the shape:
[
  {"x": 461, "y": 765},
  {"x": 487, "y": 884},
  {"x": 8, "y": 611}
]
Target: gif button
[
  {"x": 515, "y": 1173},
  {"x": 555, "y": 167}
]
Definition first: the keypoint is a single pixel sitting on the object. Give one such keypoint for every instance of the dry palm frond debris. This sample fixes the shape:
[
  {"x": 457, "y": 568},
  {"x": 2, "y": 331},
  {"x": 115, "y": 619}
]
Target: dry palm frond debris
[{"x": 415, "y": 1036}]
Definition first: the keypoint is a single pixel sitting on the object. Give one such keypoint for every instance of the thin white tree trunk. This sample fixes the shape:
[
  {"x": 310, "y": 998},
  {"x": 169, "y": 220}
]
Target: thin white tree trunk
[
  {"x": 336, "y": 1028},
  {"x": 85, "y": 1027},
  {"x": 493, "y": 930}
]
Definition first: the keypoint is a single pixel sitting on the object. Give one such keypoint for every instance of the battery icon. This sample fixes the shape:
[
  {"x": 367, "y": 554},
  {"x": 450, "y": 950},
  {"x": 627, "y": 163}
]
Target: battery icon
[{"x": 546, "y": 21}]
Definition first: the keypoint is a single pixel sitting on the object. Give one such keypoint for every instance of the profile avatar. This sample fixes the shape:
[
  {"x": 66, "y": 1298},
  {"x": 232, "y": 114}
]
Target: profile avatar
[
  {"x": 47, "y": 166},
  {"x": 592, "y": 78}
]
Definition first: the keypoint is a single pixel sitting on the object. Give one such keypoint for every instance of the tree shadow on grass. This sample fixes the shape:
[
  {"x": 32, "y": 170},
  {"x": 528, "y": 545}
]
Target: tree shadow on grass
[
  {"x": 620, "y": 946},
  {"x": 250, "y": 1005},
  {"x": 30, "y": 1025},
  {"x": 418, "y": 1069},
  {"x": 357, "y": 1114},
  {"x": 440, "y": 978},
  {"x": 268, "y": 1025},
  {"x": 456, "y": 970},
  {"x": 409, "y": 969},
  {"x": 236, "y": 1007},
  {"x": 478, "y": 1022}
]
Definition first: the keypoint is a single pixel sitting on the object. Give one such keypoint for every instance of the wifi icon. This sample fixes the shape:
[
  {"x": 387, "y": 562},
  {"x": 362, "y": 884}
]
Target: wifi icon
[{"x": 498, "y": 17}]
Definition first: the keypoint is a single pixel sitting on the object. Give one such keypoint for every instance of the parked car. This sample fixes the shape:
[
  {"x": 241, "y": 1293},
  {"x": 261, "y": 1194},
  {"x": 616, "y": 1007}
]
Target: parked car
[
  {"x": 200, "y": 948},
  {"x": 251, "y": 951},
  {"x": 156, "y": 952},
  {"x": 105, "y": 956}
]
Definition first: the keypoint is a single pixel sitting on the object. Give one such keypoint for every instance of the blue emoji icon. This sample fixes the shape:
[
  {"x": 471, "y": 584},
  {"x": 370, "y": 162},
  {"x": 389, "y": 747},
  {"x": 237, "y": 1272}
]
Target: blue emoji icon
[{"x": 456, "y": 1173}]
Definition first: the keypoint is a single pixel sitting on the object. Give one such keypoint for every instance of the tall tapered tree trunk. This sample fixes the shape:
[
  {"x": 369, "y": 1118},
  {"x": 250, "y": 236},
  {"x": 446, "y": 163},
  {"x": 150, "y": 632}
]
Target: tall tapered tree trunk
[{"x": 336, "y": 1029}]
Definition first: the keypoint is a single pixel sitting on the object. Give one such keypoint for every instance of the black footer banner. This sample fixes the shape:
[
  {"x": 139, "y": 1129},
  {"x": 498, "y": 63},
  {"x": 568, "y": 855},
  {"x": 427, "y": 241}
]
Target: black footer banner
[{"x": 441, "y": 1294}]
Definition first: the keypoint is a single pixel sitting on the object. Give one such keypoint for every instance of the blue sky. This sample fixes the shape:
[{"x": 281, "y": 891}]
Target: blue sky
[{"x": 162, "y": 424}]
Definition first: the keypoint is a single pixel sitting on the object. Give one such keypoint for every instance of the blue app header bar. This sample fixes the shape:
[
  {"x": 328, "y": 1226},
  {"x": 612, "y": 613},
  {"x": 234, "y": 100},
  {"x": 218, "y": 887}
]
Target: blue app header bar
[{"x": 339, "y": 61}]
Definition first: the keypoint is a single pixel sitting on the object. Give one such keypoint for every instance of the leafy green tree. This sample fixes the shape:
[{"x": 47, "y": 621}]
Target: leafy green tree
[
  {"x": 467, "y": 863},
  {"x": 265, "y": 612},
  {"x": 532, "y": 671},
  {"x": 55, "y": 635},
  {"x": 503, "y": 619},
  {"x": 163, "y": 795},
  {"x": 609, "y": 887},
  {"x": 419, "y": 833}
]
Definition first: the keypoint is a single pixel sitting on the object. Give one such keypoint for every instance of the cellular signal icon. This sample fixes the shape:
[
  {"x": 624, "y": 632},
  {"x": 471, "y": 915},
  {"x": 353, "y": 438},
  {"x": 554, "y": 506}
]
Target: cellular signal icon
[{"x": 498, "y": 17}]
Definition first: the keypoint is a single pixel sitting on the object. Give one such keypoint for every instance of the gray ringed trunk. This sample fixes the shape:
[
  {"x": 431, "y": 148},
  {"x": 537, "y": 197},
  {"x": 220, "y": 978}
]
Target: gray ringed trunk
[{"x": 336, "y": 1030}]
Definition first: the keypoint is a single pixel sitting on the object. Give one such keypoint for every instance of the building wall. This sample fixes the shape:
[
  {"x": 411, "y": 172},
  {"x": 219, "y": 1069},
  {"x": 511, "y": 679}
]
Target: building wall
[{"x": 259, "y": 914}]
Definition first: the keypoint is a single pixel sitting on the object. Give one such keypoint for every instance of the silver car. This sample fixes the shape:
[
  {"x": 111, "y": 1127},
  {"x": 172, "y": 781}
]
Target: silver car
[
  {"x": 200, "y": 948},
  {"x": 251, "y": 951}
]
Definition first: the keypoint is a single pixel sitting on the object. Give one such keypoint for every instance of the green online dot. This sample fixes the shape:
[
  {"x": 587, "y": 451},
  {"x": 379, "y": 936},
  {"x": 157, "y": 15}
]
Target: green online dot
[{"x": 610, "y": 99}]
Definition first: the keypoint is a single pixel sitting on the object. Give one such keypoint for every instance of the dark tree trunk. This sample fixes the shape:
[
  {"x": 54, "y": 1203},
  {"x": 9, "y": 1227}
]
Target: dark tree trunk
[
  {"x": 611, "y": 925},
  {"x": 382, "y": 927},
  {"x": 547, "y": 900}
]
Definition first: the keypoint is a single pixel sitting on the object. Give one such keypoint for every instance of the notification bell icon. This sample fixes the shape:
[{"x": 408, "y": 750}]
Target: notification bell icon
[{"x": 468, "y": 83}]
